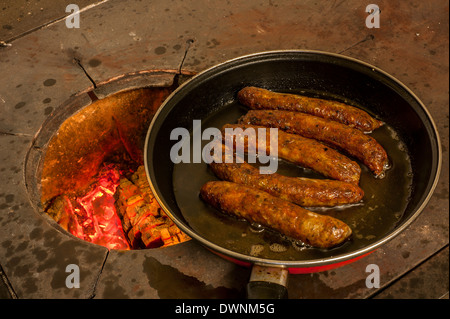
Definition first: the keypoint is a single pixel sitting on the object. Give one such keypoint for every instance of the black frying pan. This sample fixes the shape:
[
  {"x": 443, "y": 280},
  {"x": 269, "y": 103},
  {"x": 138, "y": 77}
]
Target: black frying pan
[{"x": 390, "y": 204}]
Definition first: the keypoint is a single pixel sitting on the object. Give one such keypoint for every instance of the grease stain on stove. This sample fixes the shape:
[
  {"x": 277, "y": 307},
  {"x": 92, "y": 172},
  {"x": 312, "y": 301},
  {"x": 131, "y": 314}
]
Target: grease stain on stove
[
  {"x": 9, "y": 198},
  {"x": 50, "y": 240},
  {"x": 113, "y": 290},
  {"x": 49, "y": 82},
  {"x": 21, "y": 270},
  {"x": 7, "y": 244},
  {"x": 171, "y": 283},
  {"x": 13, "y": 263},
  {"x": 20, "y": 105},
  {"x": 94, "y": 63},
  {"x": 22, "y": 246},
  {"x": 30, "y": 287},
  {"x": 59, "y": 279},
  {"x": 160, "y": 50},
  {"x": 36, "y": 233},
  {"x": 40, "y": 253}
]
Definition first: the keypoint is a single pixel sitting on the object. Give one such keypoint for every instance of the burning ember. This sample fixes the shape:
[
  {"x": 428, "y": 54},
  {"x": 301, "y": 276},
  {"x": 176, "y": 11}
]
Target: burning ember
[
  {"x": 117, "y": 212},
  {"x": 94, "y": 184}
]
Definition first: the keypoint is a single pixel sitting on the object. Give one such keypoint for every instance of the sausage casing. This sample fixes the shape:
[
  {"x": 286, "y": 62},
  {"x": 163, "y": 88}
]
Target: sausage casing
[
  {"x": 307, "y": 153},
  {"x": 353, "y": 141},
  {"x": 256, "y": 206},
  {"x": 258, "y": 98},
  {"x": 301, "y": 191}
]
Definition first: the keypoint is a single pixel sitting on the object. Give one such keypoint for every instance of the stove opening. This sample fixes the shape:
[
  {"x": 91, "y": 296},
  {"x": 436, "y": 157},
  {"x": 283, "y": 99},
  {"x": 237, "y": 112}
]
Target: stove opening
[{"x": 93, "y": 181}]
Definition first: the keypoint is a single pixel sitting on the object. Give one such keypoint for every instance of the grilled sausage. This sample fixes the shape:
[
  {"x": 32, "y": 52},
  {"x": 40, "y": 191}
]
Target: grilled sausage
[
  {"x": 352, "y": 141},
  {"x": 317, "y": 230},
  {"x": 257, "y": 98},
  {"x": 307, "y": 153},
  {"x": 301, "y": 191}
]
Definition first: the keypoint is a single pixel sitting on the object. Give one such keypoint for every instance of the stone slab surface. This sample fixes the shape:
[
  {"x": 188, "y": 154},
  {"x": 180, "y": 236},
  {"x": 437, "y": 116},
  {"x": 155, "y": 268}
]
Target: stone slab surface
[{"x": 44, "y": 67}]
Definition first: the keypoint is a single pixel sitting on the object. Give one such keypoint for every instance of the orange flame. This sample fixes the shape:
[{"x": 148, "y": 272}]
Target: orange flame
[{"x": 97, "y": 213}]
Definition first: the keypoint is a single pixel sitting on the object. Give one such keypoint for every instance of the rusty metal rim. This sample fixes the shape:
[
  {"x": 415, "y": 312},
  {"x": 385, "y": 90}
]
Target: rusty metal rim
[{"x": 299, "y": 263}]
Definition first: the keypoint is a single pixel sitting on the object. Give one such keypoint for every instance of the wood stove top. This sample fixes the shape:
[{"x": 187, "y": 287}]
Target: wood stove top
[{"x": 126, "y": 44}]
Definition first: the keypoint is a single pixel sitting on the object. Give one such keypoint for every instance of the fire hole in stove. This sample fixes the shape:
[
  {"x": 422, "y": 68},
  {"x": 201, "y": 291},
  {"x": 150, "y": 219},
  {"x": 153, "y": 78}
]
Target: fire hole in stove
[{"x": 93, "y": 182}]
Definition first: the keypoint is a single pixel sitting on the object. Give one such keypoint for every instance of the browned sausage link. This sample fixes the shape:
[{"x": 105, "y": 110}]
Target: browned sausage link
[
  {"x": 354, "y": 142},
  {"x": 302, "y": 191},
  {"x": 257, "y": 98},
  {"x": 308, "y": 153},
  {"x": 289, "y": 219}
]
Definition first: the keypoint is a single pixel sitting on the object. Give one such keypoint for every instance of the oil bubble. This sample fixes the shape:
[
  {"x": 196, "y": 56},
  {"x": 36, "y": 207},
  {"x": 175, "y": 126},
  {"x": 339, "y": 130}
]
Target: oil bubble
[{"x": 277, "y": 248}]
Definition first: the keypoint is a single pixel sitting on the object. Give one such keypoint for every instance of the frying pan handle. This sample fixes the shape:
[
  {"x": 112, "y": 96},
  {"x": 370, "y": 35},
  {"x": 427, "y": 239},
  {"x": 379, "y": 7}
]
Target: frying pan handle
[{"x": 267, "y": 283}]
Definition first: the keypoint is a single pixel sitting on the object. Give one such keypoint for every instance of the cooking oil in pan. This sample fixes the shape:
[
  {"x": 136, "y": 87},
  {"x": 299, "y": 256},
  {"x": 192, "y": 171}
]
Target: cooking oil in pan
[{"x": 379, "y": 212}]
